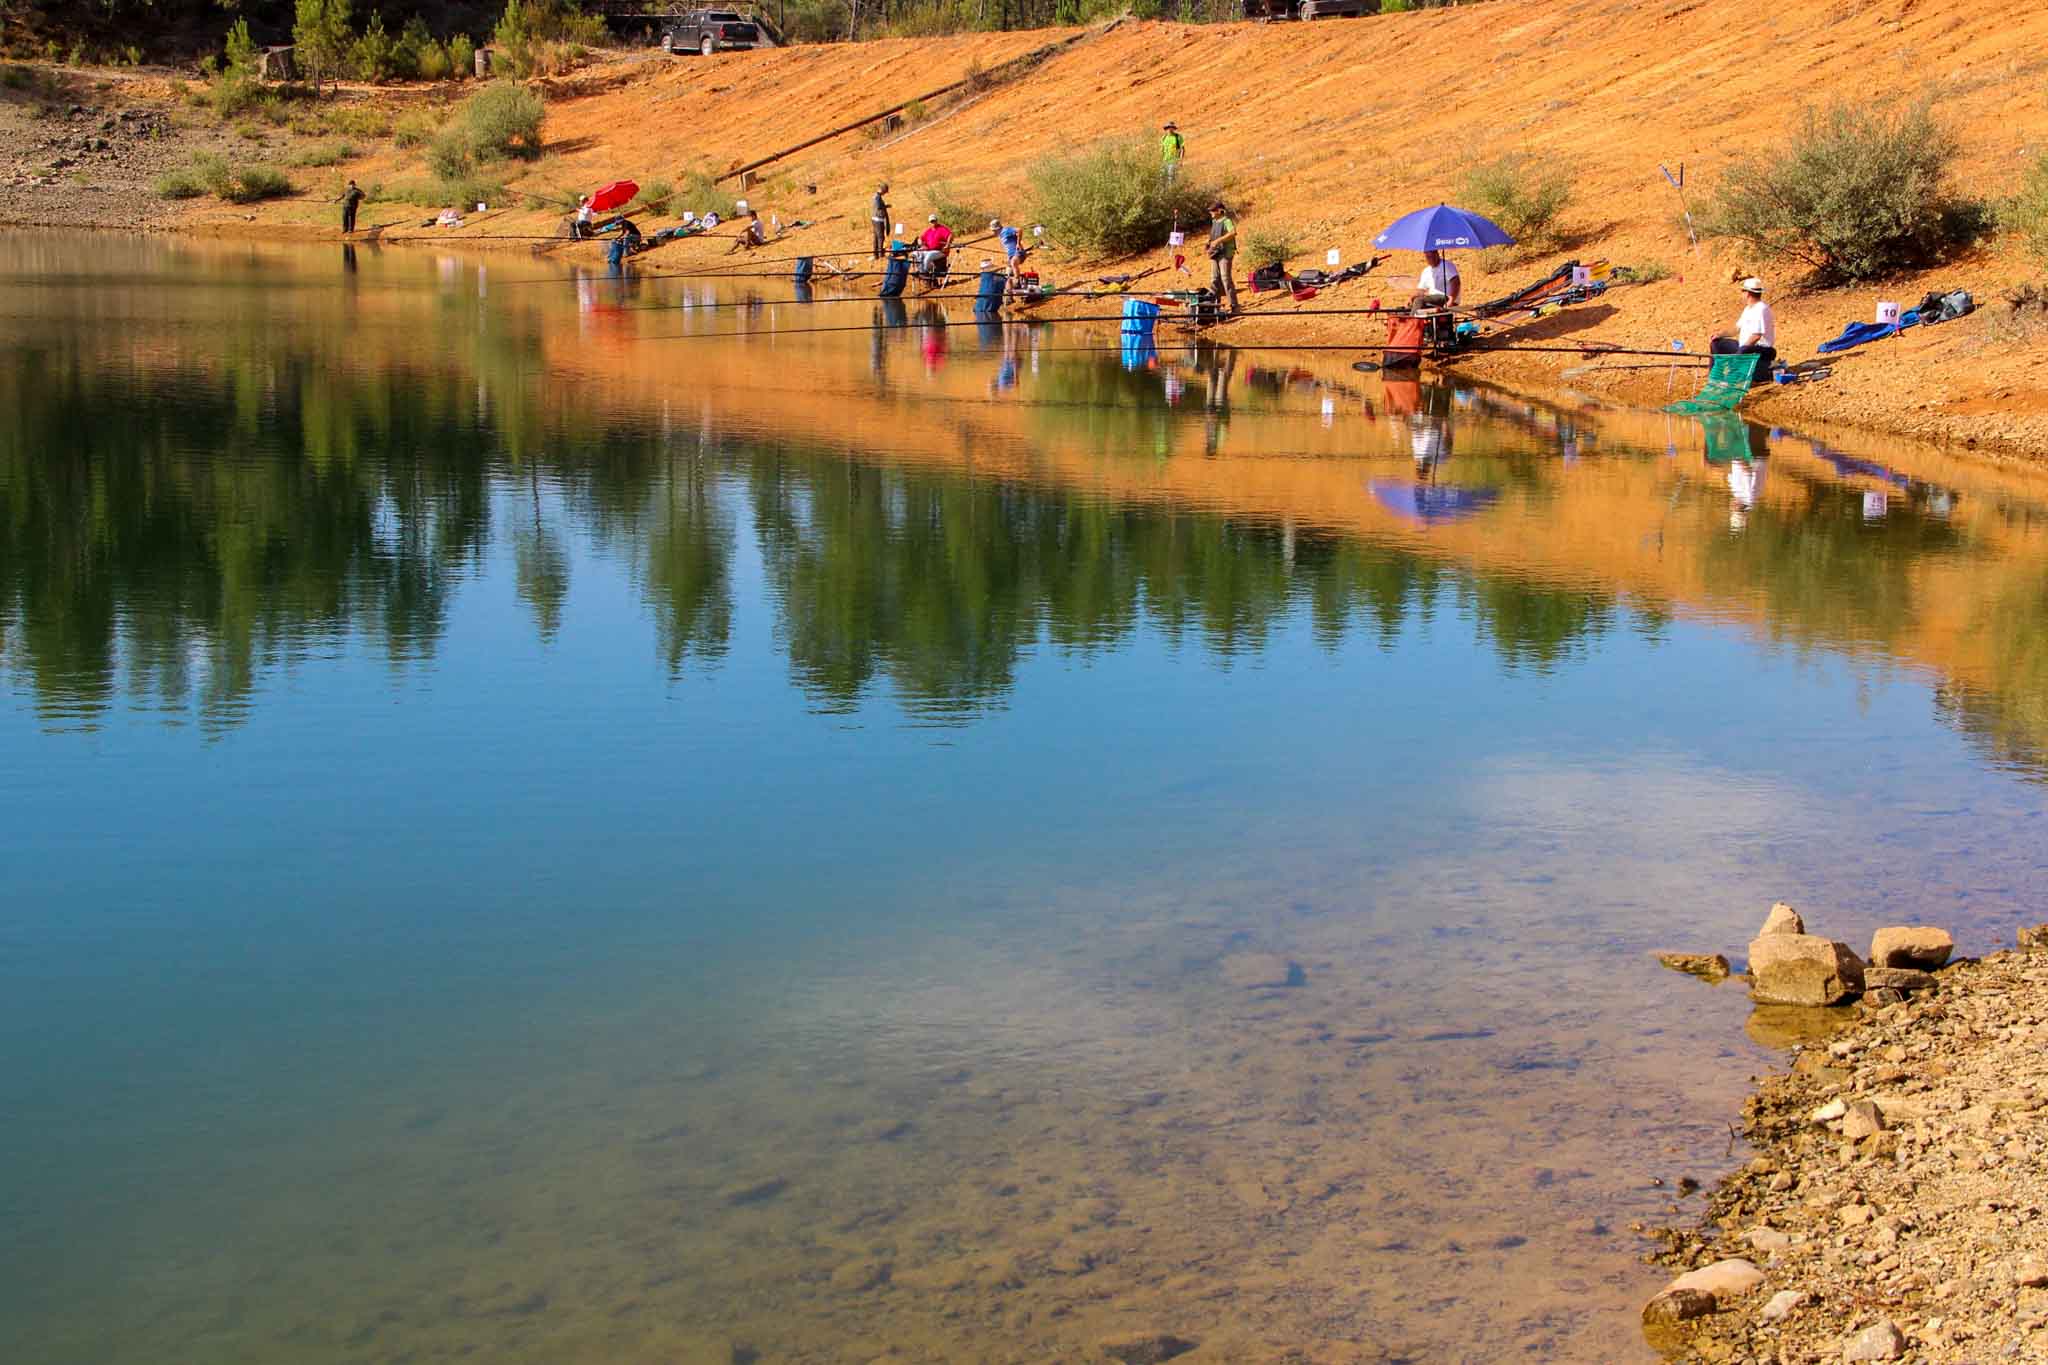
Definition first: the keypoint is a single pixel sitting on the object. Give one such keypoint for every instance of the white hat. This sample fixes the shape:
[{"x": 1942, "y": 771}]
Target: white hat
[
  {"x": 1752, "y": 285},
  {"x": 931, "y": 217}
]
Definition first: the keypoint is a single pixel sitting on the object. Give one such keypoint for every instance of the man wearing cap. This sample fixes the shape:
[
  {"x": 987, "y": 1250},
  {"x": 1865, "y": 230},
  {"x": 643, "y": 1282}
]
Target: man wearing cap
[
  {"x": 1172, "y": 147},
  {"x": 937, "y": 240},
  {"x": 1756, "y": 332},
  {"x": 878, "y": 219},
  {"x": 1223, "y": 251}
]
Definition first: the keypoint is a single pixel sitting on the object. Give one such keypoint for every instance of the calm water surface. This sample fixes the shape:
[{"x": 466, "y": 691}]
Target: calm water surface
[{"x": 533, "y": 838}]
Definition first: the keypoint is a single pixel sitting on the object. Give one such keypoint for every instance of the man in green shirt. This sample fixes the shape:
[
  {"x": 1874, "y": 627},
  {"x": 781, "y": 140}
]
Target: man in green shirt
[
  {"x": 1172, "y": 147},
  {"x": 1223, "y": 251}
]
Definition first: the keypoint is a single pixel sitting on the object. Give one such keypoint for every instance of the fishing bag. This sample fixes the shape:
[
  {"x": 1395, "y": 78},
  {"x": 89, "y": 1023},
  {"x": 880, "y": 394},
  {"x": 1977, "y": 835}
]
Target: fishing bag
[
  {"x": 1269, "y": 277},
  {"x": 1404, "y": 343}
]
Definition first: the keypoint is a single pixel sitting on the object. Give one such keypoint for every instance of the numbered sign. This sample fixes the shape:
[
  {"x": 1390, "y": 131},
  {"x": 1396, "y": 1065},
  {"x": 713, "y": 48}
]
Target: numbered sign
[
  {"x": 1582, "y": 274},
  {"x": 1888, "y": 314},
  {"x": 1332, "y": 257},
  {"x": 1176, "y": 238}
]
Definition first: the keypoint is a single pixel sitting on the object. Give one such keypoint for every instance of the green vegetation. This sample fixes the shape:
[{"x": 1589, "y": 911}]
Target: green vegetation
[
  {"x": 1522, "y": 192},
  {"x": 1269, "y": 245},
  {"x": 2027, "y": 212},
  {"x": 320, "y": 39},
  {"x": 1643, "y": 272},
  {"x": 655, "y": 197},
  {"x": 1856, "y": 194},
  {"x": 210, "y": 174},
  {"x": 701, "y": 194},
  {"x": 1114, "y": 197},
  {"x": 965, "y": 216},
  {"x": 326, "y": 154},
  {"x": 416, "y": 127},
  {"x": 498, "y": 123},
  {"x": 544, "y": 37}
]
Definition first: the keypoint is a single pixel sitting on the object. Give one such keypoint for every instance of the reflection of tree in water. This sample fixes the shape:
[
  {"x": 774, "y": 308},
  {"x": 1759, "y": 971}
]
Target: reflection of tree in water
[
  {"x": 180, "y": 537},
  {"x": 151, "y": 529}
]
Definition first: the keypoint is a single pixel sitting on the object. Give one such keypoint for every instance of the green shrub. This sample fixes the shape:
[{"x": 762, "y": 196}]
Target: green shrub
[
  {"x": 415, "y": 128},
  {"x": 915, "y": 112},
  {"x": 965, "y": 216},
  {"x": 433, "y": 63},
  {"x": 183, "y": 184},
  {"x": 329, "y": 154},
  {"x": 1856, "y": 194},
  {"x": 231, "y": 95},
  {"x": 449, "y": 155},
  {"x": 2027, "y": 213},
  {"x": 358, "y": 120},
  {"x": 502, "y": 120},
  {"x": 1522, "y": 192},
  {"x": 1396, "y": 6},
  {"x": 1269, "y": 246},
  {"x": 656, "y": 198},
  {"x": 701, "y": 194},
  {"x": 461, "y": 55},
  {"x": 1643, "y": 272},
  {"x": 207, "y": 173},
  {"x": 1115, "y": 197},
  {"x": 251, "y": 183}
]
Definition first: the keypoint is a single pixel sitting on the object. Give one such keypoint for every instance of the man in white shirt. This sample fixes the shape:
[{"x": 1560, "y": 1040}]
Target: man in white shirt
[
  {"x": 1756, "y": 332},
  {"x": 1438, "y": 284}
]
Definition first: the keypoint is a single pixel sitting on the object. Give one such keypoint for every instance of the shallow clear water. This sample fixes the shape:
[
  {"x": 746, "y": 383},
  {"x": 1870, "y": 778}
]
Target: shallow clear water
[{"x": 529, "y": 836}]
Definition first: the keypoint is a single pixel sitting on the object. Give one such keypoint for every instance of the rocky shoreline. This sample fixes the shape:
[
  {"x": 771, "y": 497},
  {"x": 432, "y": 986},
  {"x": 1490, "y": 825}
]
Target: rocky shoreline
[{"x": 1894, "y": 1207}]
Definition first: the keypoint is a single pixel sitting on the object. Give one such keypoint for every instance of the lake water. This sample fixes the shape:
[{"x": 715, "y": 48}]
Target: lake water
[{"x": 538, "y": 833}]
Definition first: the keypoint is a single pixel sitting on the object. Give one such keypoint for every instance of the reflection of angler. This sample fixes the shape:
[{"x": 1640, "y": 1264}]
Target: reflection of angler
[
  {"x": 1430, "y": 438},
  {"x": 1222, "y": 366}
]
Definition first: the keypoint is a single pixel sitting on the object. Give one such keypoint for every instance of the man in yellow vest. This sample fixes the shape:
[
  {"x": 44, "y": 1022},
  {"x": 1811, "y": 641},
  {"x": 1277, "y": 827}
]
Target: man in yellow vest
[{"x": 1172, "y": 147}]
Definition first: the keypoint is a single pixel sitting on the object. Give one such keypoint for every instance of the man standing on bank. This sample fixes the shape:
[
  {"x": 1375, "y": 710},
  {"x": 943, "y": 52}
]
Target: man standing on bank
[
  {"x": 350, "y": 198},
  {"x": 1172, "y": 149},
  {"x": 1223, "y": 251},
  {"x": 878, "y": 219}
]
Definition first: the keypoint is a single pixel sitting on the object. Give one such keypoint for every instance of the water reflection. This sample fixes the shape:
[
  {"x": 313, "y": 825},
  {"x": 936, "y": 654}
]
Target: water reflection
[{"x": 176, "y": 527}]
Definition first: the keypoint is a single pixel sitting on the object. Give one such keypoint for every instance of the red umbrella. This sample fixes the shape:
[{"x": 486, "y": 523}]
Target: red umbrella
[{"x": 616, "y": 195}]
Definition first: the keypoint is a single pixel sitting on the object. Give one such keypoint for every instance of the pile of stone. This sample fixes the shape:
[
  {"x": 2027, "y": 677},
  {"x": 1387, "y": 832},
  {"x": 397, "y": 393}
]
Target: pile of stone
[
  {"x": 1788, "y": 966},
  {"x": 1896, "y": 1207}
]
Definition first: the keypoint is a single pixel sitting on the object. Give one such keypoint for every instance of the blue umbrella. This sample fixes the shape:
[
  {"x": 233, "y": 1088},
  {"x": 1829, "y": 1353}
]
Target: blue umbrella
[
  {"x": 1429, "y": 502},
  {"x": 1441, "y": 229}
]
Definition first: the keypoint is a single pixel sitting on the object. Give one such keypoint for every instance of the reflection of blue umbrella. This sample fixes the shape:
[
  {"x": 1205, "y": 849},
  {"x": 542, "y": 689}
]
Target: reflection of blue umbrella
[
  {"x": 1429, "y": 502},
  {"x": 1440, "y": 229}
]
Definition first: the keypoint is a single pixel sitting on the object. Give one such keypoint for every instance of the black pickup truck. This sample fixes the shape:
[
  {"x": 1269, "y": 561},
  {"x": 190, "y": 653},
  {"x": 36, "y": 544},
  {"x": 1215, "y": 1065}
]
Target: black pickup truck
[{"x": 709, "y": 30}]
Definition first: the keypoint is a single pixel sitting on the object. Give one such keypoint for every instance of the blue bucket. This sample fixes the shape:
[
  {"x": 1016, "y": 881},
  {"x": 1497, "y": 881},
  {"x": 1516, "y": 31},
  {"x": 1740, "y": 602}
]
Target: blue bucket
[
  {"x": 803, "y": 269},
  {"x": 894, "y": 277},
  {"x": 1140, "y": 317}
]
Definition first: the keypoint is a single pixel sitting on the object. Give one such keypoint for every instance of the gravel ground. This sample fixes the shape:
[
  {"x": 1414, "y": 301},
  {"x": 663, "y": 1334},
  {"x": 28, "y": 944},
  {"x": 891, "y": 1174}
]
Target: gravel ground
[
  {"x": 1895, "y": 1207},
  {"x": 85, "y": 150}
]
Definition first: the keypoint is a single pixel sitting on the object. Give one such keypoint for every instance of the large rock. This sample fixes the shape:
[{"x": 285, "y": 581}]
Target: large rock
[
  {"x": 1879, "y": 1341},
  {"x": 1729, "y": 1279},
  {"x": 1915, "y": 945},
  {"x": 1664, "y": 1317},
  {"x": 1802, "y": 969},
  {"x": 1783, "y": 919}
]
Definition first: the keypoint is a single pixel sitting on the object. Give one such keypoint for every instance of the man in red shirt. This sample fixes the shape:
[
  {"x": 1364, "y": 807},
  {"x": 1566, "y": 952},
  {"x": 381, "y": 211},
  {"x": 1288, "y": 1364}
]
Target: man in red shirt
[{"x": 935, "y": 239}]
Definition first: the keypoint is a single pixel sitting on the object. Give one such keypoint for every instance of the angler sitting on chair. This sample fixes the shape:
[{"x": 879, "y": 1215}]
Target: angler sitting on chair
[
  {"x": 934, "y": 244},
  {"x": 1756, "y": 332}
]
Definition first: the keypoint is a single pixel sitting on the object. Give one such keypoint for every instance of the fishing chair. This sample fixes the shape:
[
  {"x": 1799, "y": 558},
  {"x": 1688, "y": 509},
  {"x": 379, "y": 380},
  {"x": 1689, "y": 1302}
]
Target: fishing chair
[{"x": 1728, "y": 381}]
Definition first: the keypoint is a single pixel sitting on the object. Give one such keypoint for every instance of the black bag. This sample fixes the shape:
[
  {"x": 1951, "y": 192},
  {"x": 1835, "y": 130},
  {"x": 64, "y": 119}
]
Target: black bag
[{"x": 1272, "y": 276}]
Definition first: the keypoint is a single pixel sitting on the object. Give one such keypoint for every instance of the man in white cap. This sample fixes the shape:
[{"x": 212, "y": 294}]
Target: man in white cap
[{"x": 1756, "y": 331}]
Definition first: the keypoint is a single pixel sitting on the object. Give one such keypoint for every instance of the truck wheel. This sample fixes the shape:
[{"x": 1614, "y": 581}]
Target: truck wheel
[{"x": 707, "y": 47}]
